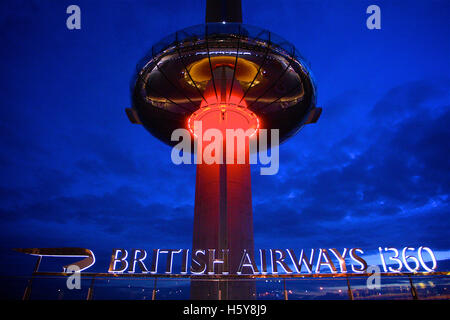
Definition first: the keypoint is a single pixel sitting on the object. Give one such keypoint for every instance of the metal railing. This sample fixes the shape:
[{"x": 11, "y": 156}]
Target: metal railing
[{"x": 352, "y": 286}]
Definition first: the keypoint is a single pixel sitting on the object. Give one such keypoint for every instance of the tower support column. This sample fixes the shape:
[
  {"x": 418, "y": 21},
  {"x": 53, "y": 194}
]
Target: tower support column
[
  {"x": 223, "y": 217},
  {"x": 223, "y": 220}
]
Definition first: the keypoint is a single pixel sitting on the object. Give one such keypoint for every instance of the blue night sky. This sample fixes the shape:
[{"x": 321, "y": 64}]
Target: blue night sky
[{"x": 374, "y": 171}]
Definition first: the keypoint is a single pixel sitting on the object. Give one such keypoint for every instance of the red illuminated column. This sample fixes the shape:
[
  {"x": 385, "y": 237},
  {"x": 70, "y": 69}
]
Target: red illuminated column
[{"x": 223, "y": 217}]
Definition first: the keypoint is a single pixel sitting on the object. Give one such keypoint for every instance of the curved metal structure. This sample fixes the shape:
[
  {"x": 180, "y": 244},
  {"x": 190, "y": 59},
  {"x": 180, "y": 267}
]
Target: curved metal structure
[{"x": 171, "y": 80}]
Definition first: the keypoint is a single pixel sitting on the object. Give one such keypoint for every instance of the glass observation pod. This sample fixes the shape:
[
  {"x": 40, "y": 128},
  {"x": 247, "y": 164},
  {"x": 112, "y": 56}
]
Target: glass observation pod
[{"x": 268, "y": 76}]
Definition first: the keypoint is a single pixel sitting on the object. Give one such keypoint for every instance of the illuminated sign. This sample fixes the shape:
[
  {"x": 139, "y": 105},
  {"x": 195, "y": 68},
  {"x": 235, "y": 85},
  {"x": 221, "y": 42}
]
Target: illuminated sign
[
  {"x": 264, "y": 262},
  {"x": 270, "y": 261}
]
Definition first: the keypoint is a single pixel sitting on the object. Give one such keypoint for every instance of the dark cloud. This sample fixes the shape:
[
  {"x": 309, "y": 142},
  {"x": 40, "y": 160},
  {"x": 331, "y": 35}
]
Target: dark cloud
[
  {"x": 115, "y": 212},
  {"x": 400, "y": 181}
]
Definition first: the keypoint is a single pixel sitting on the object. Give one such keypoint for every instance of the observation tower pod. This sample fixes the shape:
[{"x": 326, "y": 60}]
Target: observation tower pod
[{"x": 223, "y": 75}]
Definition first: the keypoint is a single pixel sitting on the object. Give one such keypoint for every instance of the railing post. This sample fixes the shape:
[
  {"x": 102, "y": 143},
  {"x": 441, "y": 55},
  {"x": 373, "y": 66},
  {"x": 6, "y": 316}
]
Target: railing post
[
  {"x": 285, "y": 291},
  {"x": 91, "y": 289},
  {"x": 27, "y": 293},
  {"x": 413, "y": 289},
  {"x": 154, "y": 291},
  {"x": 349, "y": 290}
]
